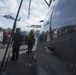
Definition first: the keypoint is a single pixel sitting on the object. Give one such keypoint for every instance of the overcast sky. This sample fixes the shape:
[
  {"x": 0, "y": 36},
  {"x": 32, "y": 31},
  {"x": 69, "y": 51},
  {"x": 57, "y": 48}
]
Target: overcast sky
[{"x": 38, "y": 11}]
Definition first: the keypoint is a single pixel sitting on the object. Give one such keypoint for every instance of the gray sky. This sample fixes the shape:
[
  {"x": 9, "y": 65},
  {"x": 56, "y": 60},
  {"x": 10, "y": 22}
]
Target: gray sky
[{"x": 38, "y": 11}]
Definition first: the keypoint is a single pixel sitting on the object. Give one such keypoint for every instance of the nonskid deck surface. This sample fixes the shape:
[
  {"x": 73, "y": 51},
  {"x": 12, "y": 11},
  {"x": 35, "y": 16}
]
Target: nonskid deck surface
[{"x": 23, "y": 66}]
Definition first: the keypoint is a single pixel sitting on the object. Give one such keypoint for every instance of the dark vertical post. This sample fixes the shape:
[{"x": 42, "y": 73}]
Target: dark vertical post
[
  {"x": 14, "y": 26},
  {"x": 29, "y": 8},
  {"x": 13, "y": 29}
]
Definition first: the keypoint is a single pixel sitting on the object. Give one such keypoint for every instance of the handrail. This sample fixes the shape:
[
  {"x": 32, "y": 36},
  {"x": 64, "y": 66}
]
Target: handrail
[{"x": 13, "y": 29}]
